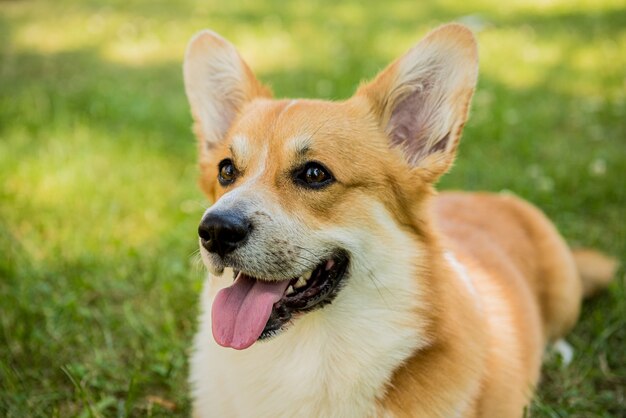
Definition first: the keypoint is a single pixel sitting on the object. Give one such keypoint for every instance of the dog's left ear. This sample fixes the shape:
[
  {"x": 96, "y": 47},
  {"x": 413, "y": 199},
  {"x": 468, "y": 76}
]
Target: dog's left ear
[{"x": 422, "y": 99}]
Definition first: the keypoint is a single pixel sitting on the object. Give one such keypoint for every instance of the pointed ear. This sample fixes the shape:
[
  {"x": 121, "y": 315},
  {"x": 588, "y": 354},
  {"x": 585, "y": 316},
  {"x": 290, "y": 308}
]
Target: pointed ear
[
  {"x": 218, "y": 84},
  {"x": 422, "y": 99}
]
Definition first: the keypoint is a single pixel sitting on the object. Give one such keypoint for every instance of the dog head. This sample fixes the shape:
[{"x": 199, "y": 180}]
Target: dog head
[{"x": 312, "y": 198}]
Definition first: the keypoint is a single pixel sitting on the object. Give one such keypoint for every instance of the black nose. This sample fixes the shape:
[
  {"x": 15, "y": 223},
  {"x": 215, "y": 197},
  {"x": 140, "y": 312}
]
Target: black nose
[{"x": 223, "y": 232}]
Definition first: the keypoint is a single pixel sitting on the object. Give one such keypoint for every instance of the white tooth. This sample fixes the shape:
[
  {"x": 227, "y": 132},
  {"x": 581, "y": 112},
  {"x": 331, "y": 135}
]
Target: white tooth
[
  {"x": 329, "y": 264},
  {"x": 306, "y": 276},
  {"x": 289, "y": 290},
  {"x": 300, "y": 283}
]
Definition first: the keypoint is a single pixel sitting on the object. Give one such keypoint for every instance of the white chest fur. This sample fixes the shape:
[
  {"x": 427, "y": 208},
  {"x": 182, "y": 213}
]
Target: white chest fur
[{"x": 334, "y": 362}]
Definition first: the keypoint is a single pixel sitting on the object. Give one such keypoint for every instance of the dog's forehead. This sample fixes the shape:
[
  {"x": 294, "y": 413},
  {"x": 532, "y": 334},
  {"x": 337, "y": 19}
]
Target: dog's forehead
[{"x": 290, "y": 127}]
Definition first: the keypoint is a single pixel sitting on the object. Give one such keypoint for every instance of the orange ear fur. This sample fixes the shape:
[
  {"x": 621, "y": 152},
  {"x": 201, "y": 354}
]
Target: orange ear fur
[{"x": 422, "y": 99}]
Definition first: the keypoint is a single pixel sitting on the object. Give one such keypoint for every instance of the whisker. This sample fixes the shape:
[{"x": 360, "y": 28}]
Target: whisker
[
  {"x": 196, "y": 261},
  {"x": 306, "y": 259},
  {"x": 307, "y": 250},
  {"x": 301, "y": 264},
  {"x": 195, "y": 253}
]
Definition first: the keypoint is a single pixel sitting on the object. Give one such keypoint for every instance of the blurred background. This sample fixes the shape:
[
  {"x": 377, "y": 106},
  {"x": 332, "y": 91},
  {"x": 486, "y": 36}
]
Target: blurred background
[{"x": 99, "y": 202}]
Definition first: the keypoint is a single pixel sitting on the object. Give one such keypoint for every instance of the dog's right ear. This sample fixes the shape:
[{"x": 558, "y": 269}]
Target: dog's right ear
[
  {"x": 422, "y": 99},
  {"x": 218, "y": 84}
]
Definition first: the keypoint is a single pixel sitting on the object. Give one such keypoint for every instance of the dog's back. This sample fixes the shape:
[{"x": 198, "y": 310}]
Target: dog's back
[
  {"x": 518, "y": 244},
  {"x": 526, "y": 281}
]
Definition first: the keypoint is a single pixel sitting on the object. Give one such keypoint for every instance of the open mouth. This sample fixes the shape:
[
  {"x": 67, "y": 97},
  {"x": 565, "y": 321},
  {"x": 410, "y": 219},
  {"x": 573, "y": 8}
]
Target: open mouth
[{"x": 257, "y": 308}]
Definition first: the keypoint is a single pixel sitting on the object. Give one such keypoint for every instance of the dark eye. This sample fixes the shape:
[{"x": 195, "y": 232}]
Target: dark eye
[
  {"x": 226, "y": 172},
  {"x": 313, "y": 175}
]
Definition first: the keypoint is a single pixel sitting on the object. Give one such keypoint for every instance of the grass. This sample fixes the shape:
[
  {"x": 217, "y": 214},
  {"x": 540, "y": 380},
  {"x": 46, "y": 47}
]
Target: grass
[{"x": 98, "y": 195}]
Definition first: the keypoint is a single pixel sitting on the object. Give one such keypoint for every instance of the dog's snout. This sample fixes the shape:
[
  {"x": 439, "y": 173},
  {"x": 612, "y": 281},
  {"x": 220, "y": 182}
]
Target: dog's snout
[{"x": 223, "y": 232}]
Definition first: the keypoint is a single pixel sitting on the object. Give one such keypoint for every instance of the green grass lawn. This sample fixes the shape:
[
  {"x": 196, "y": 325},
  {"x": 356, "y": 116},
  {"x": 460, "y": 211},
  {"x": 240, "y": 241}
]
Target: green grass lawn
[{"x": 99, "y": 203}]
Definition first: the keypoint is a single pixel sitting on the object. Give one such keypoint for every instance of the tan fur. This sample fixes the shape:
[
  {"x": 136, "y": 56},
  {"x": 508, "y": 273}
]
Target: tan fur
[{"x": 477, "y": 344}]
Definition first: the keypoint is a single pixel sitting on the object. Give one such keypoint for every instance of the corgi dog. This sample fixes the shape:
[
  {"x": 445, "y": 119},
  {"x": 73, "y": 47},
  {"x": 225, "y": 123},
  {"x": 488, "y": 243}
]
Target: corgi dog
[{"x": 341, "y": 284}]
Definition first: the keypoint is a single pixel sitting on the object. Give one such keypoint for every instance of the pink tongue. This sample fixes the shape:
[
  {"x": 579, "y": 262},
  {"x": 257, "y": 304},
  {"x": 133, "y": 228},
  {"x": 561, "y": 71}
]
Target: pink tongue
[{"x": 241, "y": 311}]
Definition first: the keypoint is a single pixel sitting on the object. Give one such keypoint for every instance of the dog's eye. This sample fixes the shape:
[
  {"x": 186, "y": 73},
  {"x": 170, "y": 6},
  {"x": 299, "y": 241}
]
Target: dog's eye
[
  {"x": 313, "y": 175},
  {"x": 226, "y": 172}
]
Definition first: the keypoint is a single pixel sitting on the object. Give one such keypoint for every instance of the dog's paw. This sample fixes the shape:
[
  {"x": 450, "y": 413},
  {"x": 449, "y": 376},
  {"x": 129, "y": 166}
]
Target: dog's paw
[{"x": 564, "y": 350}]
